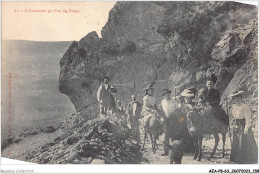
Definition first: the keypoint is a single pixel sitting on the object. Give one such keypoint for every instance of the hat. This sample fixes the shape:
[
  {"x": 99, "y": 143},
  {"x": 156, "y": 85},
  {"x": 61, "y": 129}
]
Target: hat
[
  {"x": 235, "y": 94},
  {"x": 165, "y": 91},
  {"x": 106, "y": 77},
  {"x": 149, "y": 86},
  {"x": 212, "y": 78},
  {"x": 118, "y": 101},
  {"x": 187, "y": 93}
]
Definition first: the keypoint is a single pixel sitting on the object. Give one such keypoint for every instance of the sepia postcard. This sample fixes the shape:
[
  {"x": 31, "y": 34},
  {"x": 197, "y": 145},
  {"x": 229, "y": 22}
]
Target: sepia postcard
[{"x": 166, "y": 86}]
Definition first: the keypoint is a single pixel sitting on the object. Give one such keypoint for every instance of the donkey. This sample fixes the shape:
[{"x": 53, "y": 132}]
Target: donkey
[
  {"x": 199, "y": 124},
  {"x": 176, "y": 149},
  {"x": 153, "y": 129}
]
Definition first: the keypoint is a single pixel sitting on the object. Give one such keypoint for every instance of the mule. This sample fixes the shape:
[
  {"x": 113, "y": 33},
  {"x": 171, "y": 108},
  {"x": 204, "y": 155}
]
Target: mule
[
  {"x": 199, "y": 125},
  {"x": 176, "y": 149},
  {"x": 153, "y": 129}
]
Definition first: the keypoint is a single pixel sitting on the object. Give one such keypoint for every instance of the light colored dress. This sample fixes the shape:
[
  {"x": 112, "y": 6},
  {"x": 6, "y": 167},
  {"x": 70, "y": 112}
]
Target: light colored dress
[
  {"x": 148, "y": 103},
  {"x": 242, "y": 112},
  {"x": 243, "y": 148},
  {"x": 148, "y": 108}
]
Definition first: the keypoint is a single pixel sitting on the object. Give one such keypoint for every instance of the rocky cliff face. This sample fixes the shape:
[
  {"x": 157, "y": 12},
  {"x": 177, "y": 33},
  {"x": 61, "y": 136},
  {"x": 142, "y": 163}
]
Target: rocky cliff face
[{"x": 175, "y": 44}]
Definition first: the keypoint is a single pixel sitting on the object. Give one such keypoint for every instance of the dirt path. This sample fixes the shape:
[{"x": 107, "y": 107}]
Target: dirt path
[
  {"x": 18, "y": 151},
  {"x": 208, "y": 145}
]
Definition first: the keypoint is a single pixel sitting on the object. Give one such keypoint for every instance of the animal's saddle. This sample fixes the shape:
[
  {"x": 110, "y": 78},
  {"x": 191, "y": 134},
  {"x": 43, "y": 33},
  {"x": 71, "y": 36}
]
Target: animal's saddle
[
  {"x": 211, "y": 115},
  {"x": 148, "y": 117},
  {"x": 208, "y": 114}
]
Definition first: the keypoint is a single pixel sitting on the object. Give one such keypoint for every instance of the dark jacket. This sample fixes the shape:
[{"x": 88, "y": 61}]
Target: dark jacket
[
  {"x": 212, "y": 97},
  {"x": 121, "y": 111},
  {"x": 137, "y": 111},
  {"x": 106, "y": 96}
]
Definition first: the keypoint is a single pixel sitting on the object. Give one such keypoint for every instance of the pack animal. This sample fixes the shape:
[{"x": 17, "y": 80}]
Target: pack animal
[
  {"x": 175, "y": 151},
  {"x": 153, "y": 129},
  {"x": 198, "y": 125}
]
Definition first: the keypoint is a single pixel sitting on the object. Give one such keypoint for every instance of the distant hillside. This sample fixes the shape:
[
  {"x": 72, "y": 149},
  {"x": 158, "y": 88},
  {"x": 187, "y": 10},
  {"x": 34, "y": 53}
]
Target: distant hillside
[
  {"x": 36, "y": 100},
  {"x": 25, "y": 47}
]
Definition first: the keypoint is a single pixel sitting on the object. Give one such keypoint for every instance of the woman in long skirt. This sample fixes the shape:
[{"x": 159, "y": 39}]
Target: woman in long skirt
[
  {"x": 243, "y": 148},
  {"x": 148, "y": 109}
]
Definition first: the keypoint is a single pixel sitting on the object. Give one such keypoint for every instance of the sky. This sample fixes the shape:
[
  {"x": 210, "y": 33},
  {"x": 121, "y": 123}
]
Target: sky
[{"x": 53, "y": 21}]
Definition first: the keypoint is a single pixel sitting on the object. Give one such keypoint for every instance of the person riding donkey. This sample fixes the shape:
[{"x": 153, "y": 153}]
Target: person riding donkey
[
  {"x": 149, "y": 106},
  {"x": 189, "y": 96},
  {"x": 205, "y": 120},
  {"x": 210, "y": 100},
  {"x": 150, "y": 117}
]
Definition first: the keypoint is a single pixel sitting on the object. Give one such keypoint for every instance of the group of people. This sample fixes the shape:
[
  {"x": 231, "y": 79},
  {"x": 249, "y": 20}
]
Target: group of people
[{"x": 173, "y": 109}]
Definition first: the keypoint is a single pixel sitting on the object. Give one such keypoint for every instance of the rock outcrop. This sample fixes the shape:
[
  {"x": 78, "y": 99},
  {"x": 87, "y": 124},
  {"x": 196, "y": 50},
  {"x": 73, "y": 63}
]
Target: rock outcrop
[
  {"x": 94, "y": 141},
  {"x": 175, "y": 44}
]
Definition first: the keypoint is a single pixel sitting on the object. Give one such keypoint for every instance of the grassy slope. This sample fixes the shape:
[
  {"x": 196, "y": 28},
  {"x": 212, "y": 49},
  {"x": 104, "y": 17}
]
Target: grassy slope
[{"x": 36, "y": 100}]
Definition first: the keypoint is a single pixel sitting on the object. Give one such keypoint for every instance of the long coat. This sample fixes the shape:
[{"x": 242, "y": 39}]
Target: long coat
[
  {"x": 137, "y": 111},
  {"x": 212, "y": 97},
  {"x": 106, "y": 96},
  {"x": 133, "y": 116}
]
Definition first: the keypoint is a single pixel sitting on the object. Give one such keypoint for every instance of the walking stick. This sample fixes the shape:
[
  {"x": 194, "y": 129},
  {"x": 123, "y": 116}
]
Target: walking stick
[{"x": 228, "y": 113}]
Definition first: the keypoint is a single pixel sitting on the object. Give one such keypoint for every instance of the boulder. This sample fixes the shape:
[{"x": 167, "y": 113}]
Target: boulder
[
  {"x": 108, "y": 143},
  {"x": 175, "y": 44}
]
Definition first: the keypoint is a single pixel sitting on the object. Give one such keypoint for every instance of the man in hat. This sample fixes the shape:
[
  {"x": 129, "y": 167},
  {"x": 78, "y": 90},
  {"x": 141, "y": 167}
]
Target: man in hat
[
  {"x": 105, "y": 96},
  {"x": 189, "y": 105},
  {"x": 120, "y": 109},
  {"x": 189, "y": 96},
  {"x": 133, "y": 112},
  {"x": 169, "y": 107},
  {"x": 210, "y": 98}
]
